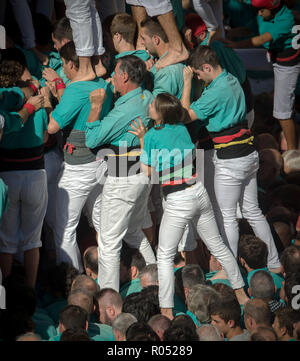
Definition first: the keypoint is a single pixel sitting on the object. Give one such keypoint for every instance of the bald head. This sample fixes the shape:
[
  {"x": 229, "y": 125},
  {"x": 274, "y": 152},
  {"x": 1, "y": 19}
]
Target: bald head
[
  {"x": 159, "y": 323},
  {"x": 29, "y": 336},
  {"x": 209, "y": 333},
  {"x": 90, "y": 261},
  {"x": 86, "y": 283},
  {"x": 81, "y": 298},
  {"x": 110, "y": 305}
]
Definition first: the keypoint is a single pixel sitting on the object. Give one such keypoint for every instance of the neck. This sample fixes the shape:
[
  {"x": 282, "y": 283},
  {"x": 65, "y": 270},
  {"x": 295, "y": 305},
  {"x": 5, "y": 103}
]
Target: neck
[
  {"x": 162, "y": 49},
  {"x": 234, "y": 332},
  {"x": 123, "y": 46},
  {"x": 286, "y": 337},
  {"x": 216, "y": 72},
  {"x": 128, "y": 88}
]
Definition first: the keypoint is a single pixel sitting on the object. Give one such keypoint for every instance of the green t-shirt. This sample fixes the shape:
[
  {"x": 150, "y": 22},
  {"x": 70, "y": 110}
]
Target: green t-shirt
[
  {"x": 43, "y": 324},
  {"x": 130, "y": 287},
  {"x": 113, "y": 128},
  {"x": 280, "y": 28},
  {"x": 29, "y": 135},
  {"x": 54, "y": 309},
  {"x": 11, "y": 99},
  {"x": 4, "y": 202},
  {"x": 167, "y": 147},
  {"x": 74, "y": 107},
  {"x": 222, "y": 104}
]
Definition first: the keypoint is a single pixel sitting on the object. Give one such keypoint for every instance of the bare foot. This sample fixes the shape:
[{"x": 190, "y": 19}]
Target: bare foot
[
  {"x": 241, "y": 296},
  {"x": 221, "y": 275},
  {"x": 99, "y": 69},
  {"x": 84, "y": 76},
  {"x": 173, "y": 57},
  {"x": 167, "y": 312}
]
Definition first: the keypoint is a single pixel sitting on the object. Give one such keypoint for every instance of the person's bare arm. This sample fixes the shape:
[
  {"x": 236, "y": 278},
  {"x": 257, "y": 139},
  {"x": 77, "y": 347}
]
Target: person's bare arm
[
  {"x": 249, "y": 43},
  {"x": 36, "y": 101},
  {"x": 186, "y": 93}
]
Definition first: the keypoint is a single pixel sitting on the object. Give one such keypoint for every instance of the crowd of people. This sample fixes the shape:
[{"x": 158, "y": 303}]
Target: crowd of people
[{"x": 148, "y": 193}]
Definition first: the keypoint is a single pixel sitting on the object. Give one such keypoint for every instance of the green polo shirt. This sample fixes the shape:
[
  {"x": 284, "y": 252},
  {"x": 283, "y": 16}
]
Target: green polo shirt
[
  {"x": 55, "y": 63},
  {"x": 228, "y": 59},
  {"x": 209, "y": 275},
  {"x": 167, "y": 147},
  {"x": 280, "y": 27},
  {"x": 3, "y": 198},
  {"x": 74, "y": 107},
  {"x": 168, "y": 79},
  {"x": 114, "y": 127},
  {"x": 43, "y": 324},
  {"x": 11, "y": 99},
  {"x": 130, "y": 287},
  {"x": 142, "y": 54},
  {"x": 222, "y": 104},
  {"x": 29, "y": 135}
]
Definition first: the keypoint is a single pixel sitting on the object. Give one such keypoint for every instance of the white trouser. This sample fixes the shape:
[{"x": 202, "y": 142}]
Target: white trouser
[
  {"x": 211, "y": 12},
  {"x": 190, "y": 205},
  {"x": 235, "y": 182},
  {"x": 153, "y": 7},
  {"x": 86, "y": 27},
  {"x": 123, "y": 207},
  {"x": 21, "y": 224},
  {"x": 53, "y": 162},
  {"x": 76, "y": 183}
]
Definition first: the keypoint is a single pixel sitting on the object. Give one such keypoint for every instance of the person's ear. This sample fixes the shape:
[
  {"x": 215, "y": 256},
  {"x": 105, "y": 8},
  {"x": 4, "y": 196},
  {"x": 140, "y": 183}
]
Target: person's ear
[
  {"x": 186, "y": 292},
  {"x": 110, "y": 311},
  {"x": 86, "y": 325},
  {"x": 249, "y": 291},
  {"x": 156, "y": 40},
  {"x": 231, "y": 323},
  {"x": 61, "y": 327},
  {"x": 242, "y": 261},
  {"x": 134, "y": 272}
]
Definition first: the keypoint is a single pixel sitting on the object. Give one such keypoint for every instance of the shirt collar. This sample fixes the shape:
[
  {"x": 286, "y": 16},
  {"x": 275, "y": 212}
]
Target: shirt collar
[
  {"x": 124, "y": 98},
  {"x": 220, "y": 76}
]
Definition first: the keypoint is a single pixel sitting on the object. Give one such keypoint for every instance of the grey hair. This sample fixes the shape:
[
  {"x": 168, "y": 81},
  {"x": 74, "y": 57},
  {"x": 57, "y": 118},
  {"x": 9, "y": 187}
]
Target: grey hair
[
  {"x": 209, "y": 332},
  {"x": 123, "y": 321},
  {"x": 151, "y": 271}
]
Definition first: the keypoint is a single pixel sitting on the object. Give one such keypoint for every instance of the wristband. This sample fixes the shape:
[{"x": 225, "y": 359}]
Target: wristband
[
  {"x": 30, "y": 108},
  {"x": 34, "y": 88},
  {"x": 59, "y": 83}
]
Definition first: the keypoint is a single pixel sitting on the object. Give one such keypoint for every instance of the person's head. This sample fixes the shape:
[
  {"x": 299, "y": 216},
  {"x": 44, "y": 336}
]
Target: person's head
[
  {"x": 209, "y": 333},
  {"x": 252, "y": 252},
  {"x": 256, "y": 313},
  {"x": 141, "y": 307},
  {"x": 285, "y": 231},
  {"x": 205, "y": 63},
  {"x": 159, "y": 324},
  {"x": 121, "y": 324},
  {"x": 263, "y": 333},
  {"x": 74, "y": 335},
  {"x": 266, "y": 141},
  {"x": 90, "y": 261},
  {"x": 109, "y": 304},
  {"x": 86, "y": 283},
  {"x": 270, "y": 165},
  {"x": 225, "y": 315},
  {"x": 291, "y": 161},
  {"x": 70, "y": 59},
  {"x": 167, "y": 109},
  {"x": 11, "y": 72},
  {"x": 197, "y": 29},
  {"x": 265, "y": 8},
  {"x": 290, "y": 260},
  {"x": 83, "y": 299},
  {"x": 283, "y": 323},
  {"x": 182, "y": 328},
  {"x": 151, "y": 294},
  {"x": 225, "y": 291},
  {"x": 140, "y": 331},
  {"x": 74, "y": 317},
  {"x": 62, "y": 33},
  {"x": 129, "y": 74},
  {"x": 131, "y": 264},
  {"x": 29, "y": 336},
  {"x": 187, "y": 277},
  {"x": 153, "y": 37},
  {"x": 199, "y": 299},
  {"x": 123, "y": 29},
  {"x": 262, "y": 286},
  {"x": 149, "y": 276}
]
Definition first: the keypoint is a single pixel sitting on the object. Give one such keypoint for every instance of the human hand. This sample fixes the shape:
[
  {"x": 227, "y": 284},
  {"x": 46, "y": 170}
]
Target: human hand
[
  {"x": 51, "y": 86},
  {"x": 37, "y": 101},
  {"x": 138, "y": 129},
  {"x": 149, "y": 64},
  {"x": 188, "y": 74},
  {"x": 98, "y": 96},
  {"x": 50, "y": 74}
]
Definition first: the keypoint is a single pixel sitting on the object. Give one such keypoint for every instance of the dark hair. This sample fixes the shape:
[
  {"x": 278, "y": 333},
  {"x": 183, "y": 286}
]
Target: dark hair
[
  {"x": 125, "y": 25},
  {"x": 134, "y": 67},
  {"x": 10, "y": 73},
  {"x": 203, "y": 54},
  {"x": 62, "y": 29},
  {"x": 141, "y": 331},
  {"x": 68, "y": 52},
  {"x": 170, "y": 109},
  {"x": 182, "y": 328},
  {"x": 262, "y": 285},
  {"x": 42, "y": 28},
  {"x": 154, "y": 28},
  {"x": 113, "y": 297},
  {"x": 188, "y": 276},
  {"x": 225, "y": 291},
  {"x": 73, "y": 317},
  {"x": 74, "y": 335},
  {"x": 254, "y": 251},
  {"x": 264, "y": 334},
  {"x": 178, "y": 258},
  {"x": 140, "y": 307},
  {"x": 91, "y": 260},
  {"x": 290, "y": 259},
  {"x": 151, "y": 293},
  {"x": 226, "y": 309},
  {"x": 132, "y": 257},
  {"x": 285, "y": 317}
]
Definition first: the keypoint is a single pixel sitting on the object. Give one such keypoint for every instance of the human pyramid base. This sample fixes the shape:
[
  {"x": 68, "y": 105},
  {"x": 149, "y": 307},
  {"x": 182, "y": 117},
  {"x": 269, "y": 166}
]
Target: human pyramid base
[{"x": 149, "y": 170}]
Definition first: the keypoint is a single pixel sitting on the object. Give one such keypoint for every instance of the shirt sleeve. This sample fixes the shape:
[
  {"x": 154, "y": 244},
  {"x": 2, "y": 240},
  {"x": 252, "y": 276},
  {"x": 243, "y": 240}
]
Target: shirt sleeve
[
  {"x": 204, "y": 107},
  {"x": 163, "y": 83}
]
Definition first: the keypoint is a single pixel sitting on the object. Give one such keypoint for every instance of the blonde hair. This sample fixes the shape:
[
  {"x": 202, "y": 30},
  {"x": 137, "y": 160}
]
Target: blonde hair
[{"x": 291, "y": 159}]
